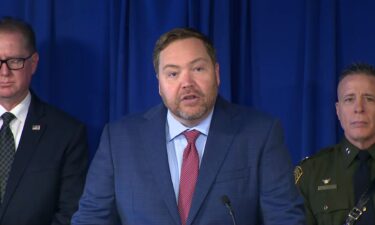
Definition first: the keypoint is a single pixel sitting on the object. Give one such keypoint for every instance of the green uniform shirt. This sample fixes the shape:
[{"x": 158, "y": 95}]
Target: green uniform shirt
[{"x": 325, "y": 181}]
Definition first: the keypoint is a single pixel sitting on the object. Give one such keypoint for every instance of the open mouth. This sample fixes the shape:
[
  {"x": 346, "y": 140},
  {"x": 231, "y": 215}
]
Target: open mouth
[{"x": 190, "y": 99}]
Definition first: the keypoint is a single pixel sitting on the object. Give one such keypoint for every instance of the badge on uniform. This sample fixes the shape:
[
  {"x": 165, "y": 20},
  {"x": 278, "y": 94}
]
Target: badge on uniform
[{"x": 326, "y": 185}]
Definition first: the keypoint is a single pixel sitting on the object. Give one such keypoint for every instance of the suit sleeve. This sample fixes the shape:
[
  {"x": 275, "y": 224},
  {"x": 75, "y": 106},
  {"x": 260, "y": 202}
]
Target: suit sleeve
[
  {"x": 72, "y": 176},
  {"x": 96, "y": 205},
  {"x": 280, "y": 201}
]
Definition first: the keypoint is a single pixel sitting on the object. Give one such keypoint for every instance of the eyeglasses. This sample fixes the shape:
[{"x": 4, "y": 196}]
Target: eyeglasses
[{"x": 15, "y": 63}]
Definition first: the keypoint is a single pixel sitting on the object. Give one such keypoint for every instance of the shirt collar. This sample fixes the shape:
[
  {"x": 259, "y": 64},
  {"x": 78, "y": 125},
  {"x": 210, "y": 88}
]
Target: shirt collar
[
  {"x": 20, "y": 111},
  {"x": 350, "y": 151},
  {"x": 175, "y": 127}
]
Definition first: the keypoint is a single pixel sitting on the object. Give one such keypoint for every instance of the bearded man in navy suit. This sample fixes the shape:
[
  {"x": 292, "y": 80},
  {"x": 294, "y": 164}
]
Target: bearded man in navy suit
[
  {"x": 43, "y": 178},
  {"x": 135, "y": 175}
]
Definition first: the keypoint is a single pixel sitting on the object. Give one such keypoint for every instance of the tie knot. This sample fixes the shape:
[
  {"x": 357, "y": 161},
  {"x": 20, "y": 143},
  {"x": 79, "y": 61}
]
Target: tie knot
[
  {"x": 363, "y": 155},
  {"x": 7, "y": 118},
  {"x": 191, "y": 135}
]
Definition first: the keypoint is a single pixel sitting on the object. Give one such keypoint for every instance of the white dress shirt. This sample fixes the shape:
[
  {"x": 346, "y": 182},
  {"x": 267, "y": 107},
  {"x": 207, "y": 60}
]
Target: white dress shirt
[{"x": 20, "y": 112}]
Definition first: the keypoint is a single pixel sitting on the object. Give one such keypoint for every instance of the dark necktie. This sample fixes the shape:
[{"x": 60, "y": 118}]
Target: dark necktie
[
  {"x": 362, "y": 179},
  {"x": 7, "y": 151},
  {"x": 189, "y": 175}
]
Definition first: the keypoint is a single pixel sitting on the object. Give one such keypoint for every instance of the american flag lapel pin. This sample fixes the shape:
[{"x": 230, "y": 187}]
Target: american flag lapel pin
[{"x": 35, "y": 127}]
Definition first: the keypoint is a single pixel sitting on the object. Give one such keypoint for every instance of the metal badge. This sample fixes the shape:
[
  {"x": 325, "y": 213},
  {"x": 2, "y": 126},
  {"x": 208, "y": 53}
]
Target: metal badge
[
  {"x": 326, "y": 185},
  {"x": 326, "y": 181}
]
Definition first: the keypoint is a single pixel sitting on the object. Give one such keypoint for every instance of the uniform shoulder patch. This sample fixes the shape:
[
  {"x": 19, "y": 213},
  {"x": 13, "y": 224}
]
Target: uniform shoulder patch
[{"x": 297, "y": 174}]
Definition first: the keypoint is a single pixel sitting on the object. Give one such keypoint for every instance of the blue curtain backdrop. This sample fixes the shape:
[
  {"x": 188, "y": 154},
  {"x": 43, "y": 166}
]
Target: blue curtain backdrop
[{"x": 282, "y": 57}]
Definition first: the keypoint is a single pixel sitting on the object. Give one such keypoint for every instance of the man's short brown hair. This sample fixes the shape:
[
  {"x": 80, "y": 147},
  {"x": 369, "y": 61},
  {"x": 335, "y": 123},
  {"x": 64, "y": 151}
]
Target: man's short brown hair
[
  {"x": 180, "y": 34},
  {"x": 10, "y": 24}
]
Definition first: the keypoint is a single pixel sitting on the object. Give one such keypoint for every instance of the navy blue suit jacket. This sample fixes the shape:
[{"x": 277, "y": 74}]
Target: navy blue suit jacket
[
  {"x": 245, "y": 159},
  {"x": 49, "y": 169}
]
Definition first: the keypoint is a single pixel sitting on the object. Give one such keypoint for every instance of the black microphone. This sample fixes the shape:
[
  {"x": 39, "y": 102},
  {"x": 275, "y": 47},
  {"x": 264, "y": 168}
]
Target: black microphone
[{"x": 226, "y": 202}]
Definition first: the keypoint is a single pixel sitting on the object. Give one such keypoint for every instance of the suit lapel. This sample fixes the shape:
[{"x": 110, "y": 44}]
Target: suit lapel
[
  {"x": 222, "y": 131},
  {"x": 157, "y": 157},
  {"x": 32, "y": 131}
]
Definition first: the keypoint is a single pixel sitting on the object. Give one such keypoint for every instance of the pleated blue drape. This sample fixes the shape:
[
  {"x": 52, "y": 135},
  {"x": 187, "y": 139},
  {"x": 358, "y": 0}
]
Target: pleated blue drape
[{"x": 282, "y": 57}]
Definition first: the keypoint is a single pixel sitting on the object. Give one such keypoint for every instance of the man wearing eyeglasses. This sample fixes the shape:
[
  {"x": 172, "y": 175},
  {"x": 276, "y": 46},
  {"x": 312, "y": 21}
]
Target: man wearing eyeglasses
[{"x": 43, "y": 151}]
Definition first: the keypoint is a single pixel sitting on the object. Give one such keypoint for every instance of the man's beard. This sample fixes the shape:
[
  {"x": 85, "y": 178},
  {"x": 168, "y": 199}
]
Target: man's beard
[{"x": 192, "y": 116}]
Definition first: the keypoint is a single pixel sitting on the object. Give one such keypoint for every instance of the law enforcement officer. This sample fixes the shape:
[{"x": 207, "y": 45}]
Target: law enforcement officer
[{"x": 333, "y": 181}]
